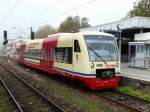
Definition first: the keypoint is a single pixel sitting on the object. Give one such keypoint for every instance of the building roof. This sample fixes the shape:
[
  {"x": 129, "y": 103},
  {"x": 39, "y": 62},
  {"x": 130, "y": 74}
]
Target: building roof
[{"x": 125, "y": 23}]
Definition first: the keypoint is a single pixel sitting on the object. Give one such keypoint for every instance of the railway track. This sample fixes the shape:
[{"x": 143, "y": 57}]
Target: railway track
[
  {"x": 28, "y": 99},
  {"x": 10, "y": 101},
  {"x": 133, "y": 103},
  {"x": 128, "y": 102}
]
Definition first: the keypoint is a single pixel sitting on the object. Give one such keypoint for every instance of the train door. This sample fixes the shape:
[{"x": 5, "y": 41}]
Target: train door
[
  {"x": 50, "y": 58},
  {"x": 46, "y": 57},
  {"x": 47, "y": 60},
  {"x": 76, "y": 56}
]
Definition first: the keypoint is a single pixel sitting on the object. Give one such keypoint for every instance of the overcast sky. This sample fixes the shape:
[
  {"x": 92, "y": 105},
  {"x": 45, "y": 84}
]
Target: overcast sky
[{"x": 17, "y": 16}]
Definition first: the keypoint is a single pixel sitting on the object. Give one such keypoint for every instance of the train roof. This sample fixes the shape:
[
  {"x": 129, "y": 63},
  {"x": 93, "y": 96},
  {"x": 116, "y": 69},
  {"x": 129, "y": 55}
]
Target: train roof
[
  {"x": 59, "y": 34},
  {"x": 67, "y": 35},
  {"x": 17, "y": 42},
  {"x": 35, "y": 40},
  {"x": 94, "y": 33},
  {"x": 81, "y": 33}
]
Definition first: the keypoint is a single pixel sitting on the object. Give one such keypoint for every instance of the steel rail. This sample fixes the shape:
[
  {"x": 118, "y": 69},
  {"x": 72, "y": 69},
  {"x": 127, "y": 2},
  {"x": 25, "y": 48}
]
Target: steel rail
[
  {"x": 58, "y": 108},
  {"x": 121, "y": 103},
  {"x": 142, "y": 99},
  {"x": 13, "y": 98}
]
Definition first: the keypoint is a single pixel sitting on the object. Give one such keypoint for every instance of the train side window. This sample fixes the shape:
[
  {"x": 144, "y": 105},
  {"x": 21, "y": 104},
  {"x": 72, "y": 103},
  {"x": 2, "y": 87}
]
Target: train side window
[
  {"x": 67, "y": 58},
  {"x": 34, "y": 53},
  {"x": 39, "y": 54},
  {"x": 63, "y": 55},
  {"x": 69, "y": 55},
  {"x": 59, "y": 53},
  {"x": 17, "y": 50},
  {"x": 76, "y": 46}
]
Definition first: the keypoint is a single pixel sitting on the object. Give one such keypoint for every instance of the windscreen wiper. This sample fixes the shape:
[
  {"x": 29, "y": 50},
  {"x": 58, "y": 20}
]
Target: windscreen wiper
[{"x": 98, "y": 55}]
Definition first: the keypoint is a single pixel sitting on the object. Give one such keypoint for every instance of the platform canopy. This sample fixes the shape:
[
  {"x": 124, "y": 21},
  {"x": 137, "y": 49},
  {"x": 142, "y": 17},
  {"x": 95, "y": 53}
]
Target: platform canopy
[{"x": 125, "y": 23}]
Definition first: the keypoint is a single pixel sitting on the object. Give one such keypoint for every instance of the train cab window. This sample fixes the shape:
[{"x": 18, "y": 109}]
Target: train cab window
[{"x": 76, "y": 46}]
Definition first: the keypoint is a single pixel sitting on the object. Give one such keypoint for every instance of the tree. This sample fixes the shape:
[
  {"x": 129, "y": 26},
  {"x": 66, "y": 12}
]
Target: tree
[
  {"x": 43, "y": 31},
  {"x": 84, "y": 22},
  {"x": 73, "y": 24},
  {"x": 141, "y": 8}
]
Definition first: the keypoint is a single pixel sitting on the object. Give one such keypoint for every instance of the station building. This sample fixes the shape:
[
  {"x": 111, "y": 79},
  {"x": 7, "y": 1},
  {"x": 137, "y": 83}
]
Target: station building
[
  {"x": 127, "y": 28},
  {"x": 139, "y": 51}
]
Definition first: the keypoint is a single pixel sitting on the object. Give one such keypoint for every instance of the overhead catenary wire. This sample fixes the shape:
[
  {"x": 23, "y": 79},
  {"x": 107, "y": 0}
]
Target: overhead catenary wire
[
  {"x": 45, "y": 9},
  {"x": 11, "y": 11},
  {"x": 21, "y": 31},
  {"x": 64, "y": 12},
  {"x": 4, "y": 7},
  {"x": 60, "y": 14}
]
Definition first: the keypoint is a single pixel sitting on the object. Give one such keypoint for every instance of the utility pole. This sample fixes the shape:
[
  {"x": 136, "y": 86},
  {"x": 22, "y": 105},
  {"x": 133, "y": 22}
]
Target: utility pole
[
  {"x": 119, "y": 30},
  {"x": 32, "y": 34}
]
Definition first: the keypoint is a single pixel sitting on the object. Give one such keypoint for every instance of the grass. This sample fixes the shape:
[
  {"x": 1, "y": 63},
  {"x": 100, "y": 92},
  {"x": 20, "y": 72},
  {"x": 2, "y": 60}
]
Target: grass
[
  {"x": 5, "y": 105},
  {"x": 80, "y": 100},
  {"x": 134, "y": 92},
  {"x": 74, "y": 98}
]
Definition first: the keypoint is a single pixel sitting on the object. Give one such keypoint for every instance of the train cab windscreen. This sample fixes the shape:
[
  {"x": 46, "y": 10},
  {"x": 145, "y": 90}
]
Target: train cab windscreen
[{"x": 101, "y": 48}]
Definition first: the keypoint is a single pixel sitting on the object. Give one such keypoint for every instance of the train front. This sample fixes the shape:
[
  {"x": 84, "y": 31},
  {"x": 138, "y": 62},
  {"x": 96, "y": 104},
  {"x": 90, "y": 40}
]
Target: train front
[{"x": 103, "y": 60}]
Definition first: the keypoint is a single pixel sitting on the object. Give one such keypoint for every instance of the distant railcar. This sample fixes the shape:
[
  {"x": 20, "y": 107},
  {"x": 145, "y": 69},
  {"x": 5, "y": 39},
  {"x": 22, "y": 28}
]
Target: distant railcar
[
  {"x": 12, "y": 49},
  {"x": 91, "y": 57}
]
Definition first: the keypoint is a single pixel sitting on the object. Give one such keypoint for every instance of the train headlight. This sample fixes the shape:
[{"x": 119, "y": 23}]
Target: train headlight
[{"x": 92, "y": 65}]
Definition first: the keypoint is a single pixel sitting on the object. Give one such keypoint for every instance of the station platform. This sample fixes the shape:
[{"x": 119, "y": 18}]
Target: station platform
[{"x": 135, "y": 73}]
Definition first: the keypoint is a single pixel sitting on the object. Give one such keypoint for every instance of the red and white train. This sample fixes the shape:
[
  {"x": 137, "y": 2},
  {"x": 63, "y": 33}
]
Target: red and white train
[{"x": 91, "y": 57}]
